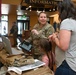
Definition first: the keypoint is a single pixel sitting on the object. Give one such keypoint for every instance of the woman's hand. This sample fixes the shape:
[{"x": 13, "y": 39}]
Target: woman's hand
[
  {"x": 52, "y": 37},
  {"x": 34, "y": 31}
]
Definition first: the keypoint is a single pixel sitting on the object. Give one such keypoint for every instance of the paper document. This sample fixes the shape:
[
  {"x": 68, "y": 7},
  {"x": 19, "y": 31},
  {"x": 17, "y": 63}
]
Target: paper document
[{"x": 37, "y": 64}]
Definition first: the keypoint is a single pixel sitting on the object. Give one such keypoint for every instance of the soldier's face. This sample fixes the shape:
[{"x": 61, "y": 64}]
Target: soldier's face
[{"x": 42, "y": 18}]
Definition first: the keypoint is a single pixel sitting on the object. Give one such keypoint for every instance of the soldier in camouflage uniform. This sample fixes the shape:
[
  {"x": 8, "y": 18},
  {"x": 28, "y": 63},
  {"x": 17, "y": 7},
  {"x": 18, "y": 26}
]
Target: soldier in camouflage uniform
[
  {"x": 41, "y": 30},
  {"x": 14, "y": 31}
]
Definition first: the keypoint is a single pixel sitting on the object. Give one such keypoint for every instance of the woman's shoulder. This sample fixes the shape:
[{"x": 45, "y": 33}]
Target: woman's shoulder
[
  {"x": 36, "y": 25},
  {"x": 68, "y": 23},
  {"x": 48, "y": 25},
  {"x": 68, "y": 20}
]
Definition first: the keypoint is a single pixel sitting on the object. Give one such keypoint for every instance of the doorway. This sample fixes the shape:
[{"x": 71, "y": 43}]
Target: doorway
[{"x": 22, "y": 26}]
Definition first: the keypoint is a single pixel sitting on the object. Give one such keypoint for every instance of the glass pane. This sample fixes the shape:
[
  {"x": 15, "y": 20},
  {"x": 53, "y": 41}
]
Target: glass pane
[
  {"x": 4, "y": 17},
  {"x": 4, "y": 28},
  {"x": 20, "y": 27},
  {"x": 26, "y": 26}
]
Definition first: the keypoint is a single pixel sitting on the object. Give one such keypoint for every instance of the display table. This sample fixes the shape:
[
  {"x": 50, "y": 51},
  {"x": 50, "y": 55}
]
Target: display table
[
  {"x": 11, "y": 40},
  {"x": 38, "y": 71}
]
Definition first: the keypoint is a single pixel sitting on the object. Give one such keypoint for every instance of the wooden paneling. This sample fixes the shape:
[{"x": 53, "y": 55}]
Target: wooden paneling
[
  {"x": 11, "y": 6},
  {"x": 13, "y": 2}
]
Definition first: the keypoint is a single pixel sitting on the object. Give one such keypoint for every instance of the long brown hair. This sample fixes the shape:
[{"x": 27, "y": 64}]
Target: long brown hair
[
  {"x": 66, "y": 9},
  {"x": 45, "y": 44},
  {"x": 47, "y": 47}
]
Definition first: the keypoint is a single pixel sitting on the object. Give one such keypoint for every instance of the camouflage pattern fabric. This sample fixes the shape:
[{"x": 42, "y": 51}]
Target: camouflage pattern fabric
[
  {"x": 43, "y": 33},
  {"x": 14, "y": 31},
  {"x": 1, "y": 45}
]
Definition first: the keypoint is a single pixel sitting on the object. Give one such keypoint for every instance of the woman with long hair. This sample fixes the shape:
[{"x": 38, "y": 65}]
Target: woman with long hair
[{"x": 66, "y": 39}]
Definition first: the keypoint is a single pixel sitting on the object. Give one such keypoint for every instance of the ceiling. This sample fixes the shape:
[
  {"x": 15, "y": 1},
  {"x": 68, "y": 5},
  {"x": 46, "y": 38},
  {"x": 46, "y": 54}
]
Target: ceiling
[{"x": 14, "y": 7}]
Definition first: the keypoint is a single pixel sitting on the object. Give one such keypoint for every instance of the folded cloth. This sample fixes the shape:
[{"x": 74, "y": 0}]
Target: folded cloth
[{"x": 19, "y": 60}]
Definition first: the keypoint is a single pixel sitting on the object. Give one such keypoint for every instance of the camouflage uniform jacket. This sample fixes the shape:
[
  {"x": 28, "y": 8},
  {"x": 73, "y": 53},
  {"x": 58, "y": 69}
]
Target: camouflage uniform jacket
[
  {"x": 14, "y": 30},
  {"x": 43, "y": 33}
]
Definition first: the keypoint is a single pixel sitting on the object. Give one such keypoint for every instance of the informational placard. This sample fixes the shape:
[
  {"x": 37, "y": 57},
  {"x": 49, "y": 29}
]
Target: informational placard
[{"x": 39, "y": 1}]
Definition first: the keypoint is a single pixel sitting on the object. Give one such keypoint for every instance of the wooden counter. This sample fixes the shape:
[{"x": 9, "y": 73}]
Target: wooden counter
[
  {"x": 38, "y": 71},
  {"x": 11, "y": 40}
]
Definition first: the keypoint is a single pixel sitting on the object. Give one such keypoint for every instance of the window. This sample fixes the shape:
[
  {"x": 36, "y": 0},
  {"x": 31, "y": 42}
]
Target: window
[
  {"x": 23, "y": 24},
  {"x": 4, "y": 25}
]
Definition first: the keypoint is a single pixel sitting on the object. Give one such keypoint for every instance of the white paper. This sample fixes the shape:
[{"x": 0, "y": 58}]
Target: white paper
[{"x": 37, "y": 64}]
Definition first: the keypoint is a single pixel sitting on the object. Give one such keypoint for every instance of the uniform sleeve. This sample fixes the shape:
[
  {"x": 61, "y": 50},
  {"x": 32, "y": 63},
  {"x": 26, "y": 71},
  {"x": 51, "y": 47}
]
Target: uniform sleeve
[
  {"x": 15, "y": 29},
  {"x": 44, "y": 33},
  {"x": 48, "y": 31},
  {"x": 67, "y": 25},
  {"x": 11, "y": 30},
  {"x": 30, "y": 39}
]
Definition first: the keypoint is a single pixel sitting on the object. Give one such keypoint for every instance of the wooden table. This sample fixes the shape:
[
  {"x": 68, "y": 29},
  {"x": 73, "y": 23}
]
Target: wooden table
[{"x": 38, "y": 71}]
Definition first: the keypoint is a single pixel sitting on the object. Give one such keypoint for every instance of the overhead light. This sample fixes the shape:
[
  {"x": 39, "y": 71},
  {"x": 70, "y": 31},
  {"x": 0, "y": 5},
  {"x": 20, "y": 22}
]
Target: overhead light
[
  {"x": 26, "y": 8},
  {"x": 30, "y": 10},
  {"x": 30, "y": 6},
  {"x": 44, "y": 10},
  {"x": 50, "y": 10},
  {"x": 25, "y": 13},
  {"x": 53, "y": 9},
  {"x": 37, "y": 10}
]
